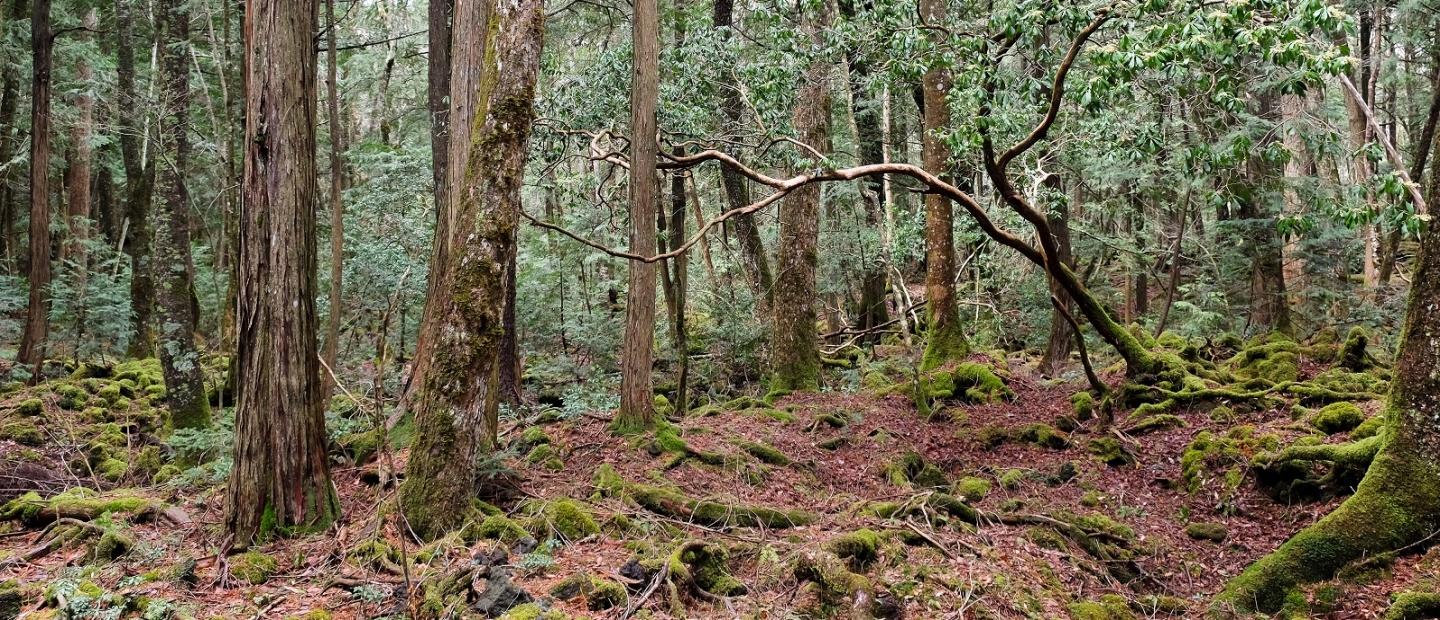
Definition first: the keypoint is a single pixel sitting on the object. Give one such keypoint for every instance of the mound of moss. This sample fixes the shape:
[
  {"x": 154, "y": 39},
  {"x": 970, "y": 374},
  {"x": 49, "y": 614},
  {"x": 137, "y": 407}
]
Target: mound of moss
[
  {"x": 672, "y": 503},
  {"x": 252, "y": 567},
  {"x": 1337, "y": 418}
]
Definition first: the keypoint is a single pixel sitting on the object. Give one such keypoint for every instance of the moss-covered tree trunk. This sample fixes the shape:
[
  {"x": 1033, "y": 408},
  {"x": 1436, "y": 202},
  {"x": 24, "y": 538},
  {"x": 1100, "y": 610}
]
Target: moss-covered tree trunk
[
  {"x": 455, "y": 405},
  {"x": 37, "y": 314},
  {"x": 139, "y": 184},
  {"x": 796, "y": 355},
  {"x": 1062, "y": 335},
  {"x": 637, "y": 352},
  {"x": 1397, "y": 505},
  {"x": 945, "y": 338},
  {"x": 281, "y": 480},
  {"x": 179, "y": 358}
]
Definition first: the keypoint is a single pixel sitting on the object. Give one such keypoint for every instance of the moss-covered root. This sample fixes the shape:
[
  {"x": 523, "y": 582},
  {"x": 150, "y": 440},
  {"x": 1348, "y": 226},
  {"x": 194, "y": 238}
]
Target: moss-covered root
[
  {"x": 80, "y": 504},
  {"x": 1396, "y": 505},
  {"x": 672, "y": 503},
  {"x": 704, "y": 569},
  {"x": 1353, "y": 456},
  {"x": 836, "y": 588},
  {"x": 943, "y": 345},
  {"x": 1414, "y": 606}
]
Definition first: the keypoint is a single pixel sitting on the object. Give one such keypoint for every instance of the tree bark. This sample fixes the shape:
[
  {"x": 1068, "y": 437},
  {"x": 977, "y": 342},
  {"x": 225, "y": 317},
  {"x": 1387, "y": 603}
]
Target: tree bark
[
  {"x": 870, "y": 136},
  {"x": 78, "y": 177},
  {"x": 281, "y": 478},
  {"x": 945, "y": 340},
  {"x": 337, "y": 187},
  {"x": 1269, "y": 301},
  {"x": 37, "y": 321},
  {"x": 456, "y": 404},
  {"x": 1062, "y": 334},
  {"x": 180, "y": 359},
  {"x": 9, "y": 138},
  {"x": 737, "y": 193},
  {"x": 796, "y": 355},
  {"x": 679, "y": 270},
  {"x": 139, "y": 185},
  {"x": 637, "y": 410}
]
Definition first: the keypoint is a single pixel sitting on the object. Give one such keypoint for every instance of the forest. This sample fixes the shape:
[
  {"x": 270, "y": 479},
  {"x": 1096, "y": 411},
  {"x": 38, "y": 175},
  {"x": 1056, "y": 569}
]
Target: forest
[{"x": 780, "y": 309}]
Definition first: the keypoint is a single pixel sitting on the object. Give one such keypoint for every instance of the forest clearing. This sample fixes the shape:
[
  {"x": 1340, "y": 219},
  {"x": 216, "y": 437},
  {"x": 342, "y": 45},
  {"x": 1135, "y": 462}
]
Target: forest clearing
[{"x": 529, "y": 310}]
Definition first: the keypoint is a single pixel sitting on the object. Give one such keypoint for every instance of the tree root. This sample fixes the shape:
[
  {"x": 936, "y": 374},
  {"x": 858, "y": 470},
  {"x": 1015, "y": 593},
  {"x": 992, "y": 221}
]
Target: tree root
[
  {"x": 673, "y": 503},
  {"x": 1414, "y": 606}
]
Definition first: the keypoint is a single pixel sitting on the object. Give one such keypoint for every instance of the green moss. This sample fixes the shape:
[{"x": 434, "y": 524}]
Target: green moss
[
  {"x": 252, "y": 567},
  {"x": 972, "y": 489},
  {"x": 608, "y": 481},
  {"x": 496, "y": 527},
  {"x": 1371, "y": 427},
  {"x": 113, "y": 392},
  {"x": 837, "y": 587},
  {"x": 1083, "y": 404},
  {"x": 605, "y": 594},
  {"x": 375, "y": 554},
  {"x": 673, "y": 503},
  {"x": 565, "y": 519},
  {"x": 1353, "y": 354},
  {"x": 1222, "y": 414},
  {"x": 1012, "y": 479},
  {"x": 30, "y": 407},
  {"x": 32, "y": 509},
  {"x": 859, "y": 549},
  {"x": 662, "y": 405},
  {"x": 1414, "y": 606},
  {"x": 111, "y": 545},
  {"x": 314, "y": 614},
  {"x": 667, "y": 440},
  {"x": 533, "y": 611},
  {"x": 1109, "y": 607},
  {"x": 1213, "y": 532},
  {"x": 943, "y": 344},
  {"x": 911, "y": 469},
  {"x": 1043, "y": 435},
  {"x": 1154, "y": 423},
  {"x": 765, "y": 453},
  {"x": 23, "y": 432},
  {"x": 707, "y": 566},
  {"x": 12, "y": 599},
  {"x": 72, "y": 397},
  {"x": 1110, "y": 451},
  {"x": 112, "y": 470},
  {"x": 531, "y": 437},
  {"x": 1337, "y": 418},
  {"x": 363, "y": 445},
  {"x": 545, "y": 455}
]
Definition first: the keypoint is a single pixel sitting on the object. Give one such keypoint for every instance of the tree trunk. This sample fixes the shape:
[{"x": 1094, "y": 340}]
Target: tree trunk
[
  {"x": 37, "y": 321},
  {"x": 511, "y": 367},
  {"x": 139, "y": 185},
  {"x": 180, "y": 360},
  {"x": 1062, "y": 335},
  {"x": 337, "y": 206},
  {"x": 679, "y": 269},
  {"x": 637, "y": 408},
  {"x": 9, "y": 138},
  {"x": 796, "y": 355},
  {"x": 1269, "y": 301},
  {"x": 737, "y": 193},
  {"x": 870, "y": 137},
  {"x": 281, "y": 478},
  {"x": 1397, "y": 505},
  {"x": 945, "y": 340},
  {"x": 460, "y": 394},
  {"x": 78, "y": 177}
]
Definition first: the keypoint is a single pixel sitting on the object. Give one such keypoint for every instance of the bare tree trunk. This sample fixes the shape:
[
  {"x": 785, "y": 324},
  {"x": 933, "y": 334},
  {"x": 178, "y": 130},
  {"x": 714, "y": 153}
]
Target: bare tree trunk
[
  {"x": 511, "y": 367},
  {"x": 37, "y": 321},
  {"x": 637, "y": 410},
  {"x": 456, "y": 404},
  {"x": 281, "y": 477},
  {"x": 871, "y": 141},
  {"x": 139, "y": 185},
  {"x": 737, "y": 193},
  {"x": 180, "y": 360},
  {"x": 945, "y": 340},
  {"x": 1062, "y": 334},
  {"x": 679, "y": 269},
  {"x": 337, "y": 205},
  {"x": 9, "y": 138},
  {"x": 1269, "y": 301},
  {"x": 796, "y": 356},
  {"x": 78, "y": 177}
]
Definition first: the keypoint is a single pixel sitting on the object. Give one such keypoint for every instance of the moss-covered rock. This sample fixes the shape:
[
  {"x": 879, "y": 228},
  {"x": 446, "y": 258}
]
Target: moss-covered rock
[
  {"x": 12, "y": 599},
  {"x": 23, "y": 432},
  {"x": 1011, "y": 479},
  {"x": 1414, "y": 606},
  {"x": 252, "y": 567},
  {"x": 71, "y": 397},
  {"x": 1043, "y": 435},
  {"x": 533, "y": 611},
  {"x": 565, "y": 519},
  {"x": 496, "y": 527},
  {"x": 911, "y": 469},
  {"x": 706, "y": 566},
  {"x": 1213, "y": 532},
  {"x": 1110, "y": 451},
  {"x": 30, "y": 407},
  {"x": 859, "y": 548},
  {"x": 1109, "y": 607},
  {"x": 1083, "y": 404},
  {"x": 972, "y": 488},
  {"x": 1337, "y": 418}
]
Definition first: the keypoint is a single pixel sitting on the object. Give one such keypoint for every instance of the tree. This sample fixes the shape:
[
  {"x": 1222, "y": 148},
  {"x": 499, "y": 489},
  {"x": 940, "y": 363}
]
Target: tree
[
  {"x": 337, "y": 180},
  {"x": 637, "y": 406},
  {"x": 737, "y": 193},
  {"x": 37, "y": 314},
  {"x": 78, "y": 176},
  {"x": 870, "y": 136},
  {"x": 944, "y": 338},
  {"x": 456, "y": 403},
  {"x": 796, "y": 356},
  {"x": 9, "y": 106},
  {"x": 1397, "y": 504},
  {"x": 139, "y": 184},
  {"x": 281, "y": 480},
  {"x": 179, "y": 358}
]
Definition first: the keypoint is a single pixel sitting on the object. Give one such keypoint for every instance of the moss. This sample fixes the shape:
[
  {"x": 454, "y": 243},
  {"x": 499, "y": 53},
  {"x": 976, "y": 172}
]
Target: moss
[
  {"x": 765, "y": 453},
  {"x": 72, "y": 397},
  {"x": 113, "y": 392},
  {"x": 23, "y": 432},
  {"x": 605, "y": 594},
  {"x": 911, "y": 469},
  {"x": 667, "y": 440},
  {"x": 608, "y": 481},
  {"x": 1043, "y": 435},
  {"x": 529, "y": 439},
  {"x": 566, "y": 519},
  {"x": 1414, "y": 606},
  {"x": 1213, "y": 532},
  {"x": 252, "y": 567},
  {"x": 12, "y": 599},
  {"x": 496, "y": 527},
  {"x": 79, "y": 502},
  {"x": 30, "y": 407},
  {"x": 1353, "y": 353},
  {"x": 1012, "y": 478},
  {"x": 545, "y": 456},
  {"x": 375, "y": 554},
  {"x": 706, "y": 565},
  {"x": 533, "y": 611},
  {"x": 1337, "y": 418},
  {"x": 314, "y": 614},
  {"x": 833, "y": 443},
  {"x": 1109, "y": 607},
  {"x": 1110, "y": 451},
  {"x": 1222, "y": 414},
  {"x": 972, "y": 489},
  {"x": 112, "y": 470},
  {"x": 1152, "y": 605},
  {"x": 859, "y": 549},
  {"x": 673, "y": 503},
  {"x": 779, "y": 415},
  {"x": 662, "y": 405},
  {"x": 1371, "y": 427},
  {"x": 944, "y": 343},
  {"x": 836, "y": 586},
  {"x": 111, "y": 545},
  {"x": 1083, "y": 404},
  {"x": 363, "y": 445}
]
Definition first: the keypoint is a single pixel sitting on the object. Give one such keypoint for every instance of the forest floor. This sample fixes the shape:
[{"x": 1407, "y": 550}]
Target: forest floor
[{"x": 1052, "y": 529}]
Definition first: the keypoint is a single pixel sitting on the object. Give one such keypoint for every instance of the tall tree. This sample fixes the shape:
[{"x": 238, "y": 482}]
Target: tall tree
[
  {"x": 737, "y": 193},
  {"x": 637, "y": 405},
  {"x": 337, "y": 180},
  {"x": 37, "y": 321},
  {"x": 179, "y": 358},
  {"x": 460, "y": 393},
  {"x": 9, "y": 137},
  {"x": 1257, "y": 198},
  {"x": 796, "y": 355},
  {"x": 945, "y": 339},
  {"x": 870, "y": 138},
  {"x": 1062, "y": 335},
  {"x": 77, "y": 176},
  {"x": 281, "y": 477},
  {"x": 139, "y": 183}
]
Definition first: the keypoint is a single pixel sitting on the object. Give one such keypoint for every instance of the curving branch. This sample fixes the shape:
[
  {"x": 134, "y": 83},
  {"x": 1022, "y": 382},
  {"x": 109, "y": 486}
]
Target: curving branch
[{"x": 1057, "y": 90}]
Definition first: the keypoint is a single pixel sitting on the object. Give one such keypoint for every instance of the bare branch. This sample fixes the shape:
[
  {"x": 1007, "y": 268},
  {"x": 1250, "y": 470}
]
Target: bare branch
[
  {"x": 1393, "y": 155},
  {"x": 1057, "y": 90}
]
